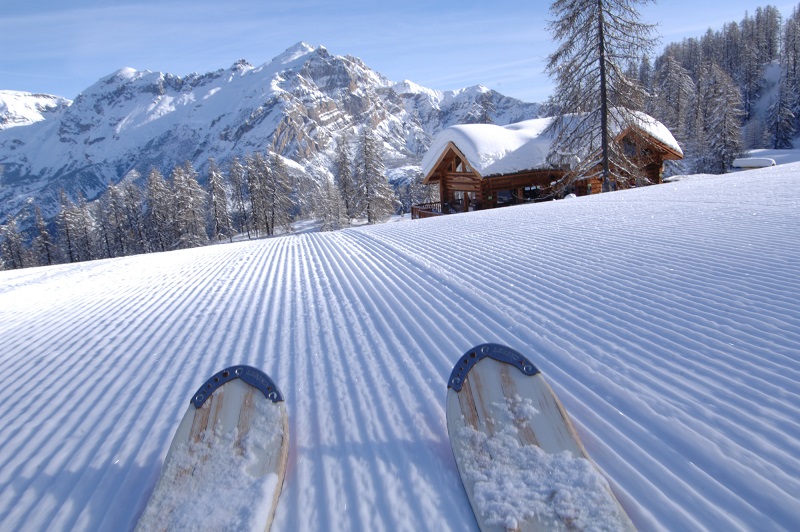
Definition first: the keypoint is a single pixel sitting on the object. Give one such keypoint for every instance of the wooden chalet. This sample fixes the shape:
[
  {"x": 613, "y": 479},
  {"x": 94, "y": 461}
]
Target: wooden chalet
[{"x": 483, "y": 166}]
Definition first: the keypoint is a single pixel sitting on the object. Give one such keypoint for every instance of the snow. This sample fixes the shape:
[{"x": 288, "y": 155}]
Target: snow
[
  {"x": 492, "y": 149},
  {"x": 667, "y": 320},
  {"x": 779, "y": 156},
  {"x": 23, "y": 108},
  {"x": 515, "y": 483},
  {"x": 753, "y": 162},
  {"x": 220, "y": 493}
]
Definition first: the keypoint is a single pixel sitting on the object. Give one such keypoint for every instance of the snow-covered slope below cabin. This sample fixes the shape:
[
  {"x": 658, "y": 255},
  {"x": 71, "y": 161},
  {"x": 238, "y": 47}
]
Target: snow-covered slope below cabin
[{"x": 667, "y": 319}]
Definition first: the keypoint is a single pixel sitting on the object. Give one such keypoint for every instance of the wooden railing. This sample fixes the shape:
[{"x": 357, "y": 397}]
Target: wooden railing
[{"x": 426, "y": 210}]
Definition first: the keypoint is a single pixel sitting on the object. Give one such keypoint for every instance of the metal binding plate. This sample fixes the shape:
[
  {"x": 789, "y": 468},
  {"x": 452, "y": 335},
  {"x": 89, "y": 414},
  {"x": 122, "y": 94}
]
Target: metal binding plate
[
  {"x": 252, "y": 376},
  {"x": 498, "y": 352}
]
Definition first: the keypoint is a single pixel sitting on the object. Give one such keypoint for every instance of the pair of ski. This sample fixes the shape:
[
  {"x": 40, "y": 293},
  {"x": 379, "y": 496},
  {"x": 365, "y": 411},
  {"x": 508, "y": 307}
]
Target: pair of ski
[{"x": 522, "y": 464}]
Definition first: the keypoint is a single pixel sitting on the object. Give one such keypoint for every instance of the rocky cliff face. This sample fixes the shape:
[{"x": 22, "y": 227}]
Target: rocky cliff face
[{"x": 297, "y": 104}]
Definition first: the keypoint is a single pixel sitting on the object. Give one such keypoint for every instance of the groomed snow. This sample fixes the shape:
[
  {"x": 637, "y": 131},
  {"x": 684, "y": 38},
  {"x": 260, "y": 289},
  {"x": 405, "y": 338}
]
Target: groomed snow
[{"x": 667, "y": 319}]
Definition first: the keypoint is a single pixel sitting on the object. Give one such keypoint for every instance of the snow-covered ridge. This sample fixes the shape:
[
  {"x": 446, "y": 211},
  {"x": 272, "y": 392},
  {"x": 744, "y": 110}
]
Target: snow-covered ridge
[
  {"x": 23, "y": 108},
  {"x": 666, "y": 319}
]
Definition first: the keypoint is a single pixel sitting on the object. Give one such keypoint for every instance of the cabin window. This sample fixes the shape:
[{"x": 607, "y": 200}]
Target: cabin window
[
  {"x": 530, "y": 193},
  {"x": 588, "y": 188},
  {"x": 629, "y": 147}
]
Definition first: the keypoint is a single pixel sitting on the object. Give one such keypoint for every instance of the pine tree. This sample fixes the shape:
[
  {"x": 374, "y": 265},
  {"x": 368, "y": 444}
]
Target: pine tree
[
  {"x": 256, "y": 175},
  {"x": 158, "y": 212},
  {"x": 43, "y": 246},
  {"x": 413, "y": 192},
  {"x": 13, "y": 254},
  {"x": 190, "y": 208},
  {"x": 220, "y": 219},
  {"x": 83, "y": 227},
  {"x": 597, "y": 39},
  {"x": 133, "y": 202},
  {"x": 237, "y": 178},
  {"x": 749, "y": 74},
  {"x": 109, "y": 222},
  {"x": 780, "y": 116},
  {"x": 76, "y": 227},
  {"x": 791, "y": 60},
  {"x": 63, "y": 219},
  {"x": 330, "y": 208},
  {"x": 378, "y": 196},
  {"x": 722, "y": 109},
  {"x": 674, "y": 97},
  {"x": 278, "y": 196},
  {"x": 345, "y": 180}
]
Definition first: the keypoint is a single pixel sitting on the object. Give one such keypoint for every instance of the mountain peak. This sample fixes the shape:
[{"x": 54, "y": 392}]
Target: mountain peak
[{"x": 295, "y": 52}]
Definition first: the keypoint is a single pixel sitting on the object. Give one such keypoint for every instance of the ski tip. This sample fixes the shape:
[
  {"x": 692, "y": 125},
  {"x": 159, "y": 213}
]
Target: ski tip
[
  {"x": 498, "y": 352},
  {"x": 252, "y": 376}
]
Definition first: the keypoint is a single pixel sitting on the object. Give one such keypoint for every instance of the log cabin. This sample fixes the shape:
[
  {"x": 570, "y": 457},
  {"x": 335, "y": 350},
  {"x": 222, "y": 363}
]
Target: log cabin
[{"x": 483, "y": 166}]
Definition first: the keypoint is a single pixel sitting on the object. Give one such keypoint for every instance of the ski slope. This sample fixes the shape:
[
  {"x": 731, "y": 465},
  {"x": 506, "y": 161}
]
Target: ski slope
[{"x": 667, "y": 319}]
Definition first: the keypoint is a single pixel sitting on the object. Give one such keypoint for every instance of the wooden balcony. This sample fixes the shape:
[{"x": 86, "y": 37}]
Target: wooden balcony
[{"x": 426, "y": 210}]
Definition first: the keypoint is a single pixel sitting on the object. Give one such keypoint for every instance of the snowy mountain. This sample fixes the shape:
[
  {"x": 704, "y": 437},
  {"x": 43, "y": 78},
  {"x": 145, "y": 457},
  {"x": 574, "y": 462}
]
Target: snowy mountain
[
  {"x": 666, "y": 318},
  {"x": 23, "y": 108},
  {"x": 296, "y": 104}
]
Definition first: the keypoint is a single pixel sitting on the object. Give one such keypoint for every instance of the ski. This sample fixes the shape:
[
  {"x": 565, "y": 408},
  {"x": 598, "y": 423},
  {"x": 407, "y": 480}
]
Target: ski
[
  {"x": 521, "y": 461},
  {"x": 225, "y": 466}
]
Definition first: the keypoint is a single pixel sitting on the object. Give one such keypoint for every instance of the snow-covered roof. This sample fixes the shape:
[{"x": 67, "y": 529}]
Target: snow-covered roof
[
  {"x": 496, "y": 150},
  {"x": 492, "y": 149}
]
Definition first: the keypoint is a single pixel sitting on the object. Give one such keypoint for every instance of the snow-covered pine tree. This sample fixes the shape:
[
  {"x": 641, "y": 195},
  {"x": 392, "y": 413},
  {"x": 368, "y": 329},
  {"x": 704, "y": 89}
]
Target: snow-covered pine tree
[
  {"x": 278, "y": 195},
  {"x": 241, "y": 211},
  {"x": 791, "y": 45},
  {"x": 158, "y": 212},
  {"x": 75, "y": 227},
  {"x": 791, "y": 60},
  {"x": 256, "y": 175},
  {"x": 190, "y": 208},
  {"x": 673, "y": 100},
  {"x": 43, "y": 247},
  {"x": 597, "y": 39},
  {"x": 65, "y": 240},
  {"x": 768, "y": 31},
  {"x": 345, "y": 180},
  {"x": 646, "y": 73},
  {"x": 413, "y": 192},
  {"x": 119, "y": 214},
  {"x": 219, "y": 217},
  {"x": 133, "y": 201},
  {"x": 722, "y": 109},
  {"x": 780, "y": 120},
  {"x": 13, "y": 254},
  {"x": 378, "y": 197},
  {"x": 749, "y": 74},
  {"x": 330, "y": 208},
  {"x": 110, "y": 213}
]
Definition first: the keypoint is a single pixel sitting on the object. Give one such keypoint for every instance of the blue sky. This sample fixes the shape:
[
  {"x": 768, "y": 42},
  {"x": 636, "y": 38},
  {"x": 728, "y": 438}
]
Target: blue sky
[{"x": 61, "y": 48}]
